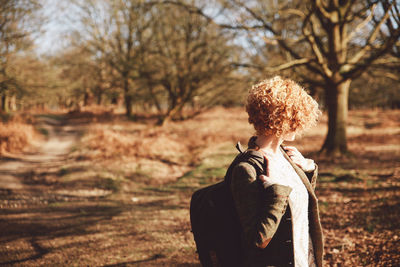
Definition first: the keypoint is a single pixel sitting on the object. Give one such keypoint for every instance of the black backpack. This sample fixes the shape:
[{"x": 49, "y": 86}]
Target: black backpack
[{"x": 215, "y": 224}]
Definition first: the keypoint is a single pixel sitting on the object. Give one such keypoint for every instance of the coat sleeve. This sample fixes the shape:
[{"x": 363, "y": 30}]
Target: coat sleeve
[{"x": 259, "y": 209}]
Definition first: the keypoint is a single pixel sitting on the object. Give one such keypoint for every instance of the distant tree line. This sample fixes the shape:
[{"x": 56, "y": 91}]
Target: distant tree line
[
  {"x": 152, "y": 55},
  {"x": 177, "y": 58},
  {"x": 17, "y": 18}
]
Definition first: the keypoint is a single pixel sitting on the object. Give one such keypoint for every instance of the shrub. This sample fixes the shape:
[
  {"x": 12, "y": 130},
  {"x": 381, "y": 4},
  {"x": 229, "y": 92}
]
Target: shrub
[{"x": 15, "y": 136}]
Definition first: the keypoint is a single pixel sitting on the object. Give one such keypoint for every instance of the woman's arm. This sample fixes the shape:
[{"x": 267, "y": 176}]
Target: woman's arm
[
  {"x": 260, "y": 209},
  {"x": 307, "y": 165}
]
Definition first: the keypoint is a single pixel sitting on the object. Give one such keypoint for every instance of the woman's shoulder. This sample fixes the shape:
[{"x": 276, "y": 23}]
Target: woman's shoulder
[{"x": 244, "y": 170}]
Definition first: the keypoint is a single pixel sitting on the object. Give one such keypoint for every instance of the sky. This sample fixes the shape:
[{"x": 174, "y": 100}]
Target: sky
[
  {"x": 60, "y": 21},
  {"x": 56, "y": 26}
]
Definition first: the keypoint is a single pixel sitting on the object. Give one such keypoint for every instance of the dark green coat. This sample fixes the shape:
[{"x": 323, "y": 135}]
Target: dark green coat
[{"x": 265, "y": 216}]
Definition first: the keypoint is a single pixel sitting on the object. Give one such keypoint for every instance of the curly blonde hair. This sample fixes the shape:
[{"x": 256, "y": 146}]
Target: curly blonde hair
[{"x": 280, "y": 106}]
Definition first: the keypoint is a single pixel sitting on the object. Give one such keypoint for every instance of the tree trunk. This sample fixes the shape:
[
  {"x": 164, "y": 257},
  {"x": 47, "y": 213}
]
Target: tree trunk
[
  {"x": 99, "y": 98},
  {"x": 337, "y": 102},
  {"x": 127, "y": 98},
  {"x": 128, "y": 105},
  {"x": 164, "y": 119},
  {"x": 155, "y": 101},
  {"x": 4, "y": 106},
  {"x": 86, "y": 99},
  {"x": 114, "y": 99},
  {"x": 12, "y": 104},
  {"x": 174, "y": 109}
]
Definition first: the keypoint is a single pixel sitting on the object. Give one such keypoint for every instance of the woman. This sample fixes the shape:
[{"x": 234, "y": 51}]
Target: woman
[{"x": 278, "y": 210}]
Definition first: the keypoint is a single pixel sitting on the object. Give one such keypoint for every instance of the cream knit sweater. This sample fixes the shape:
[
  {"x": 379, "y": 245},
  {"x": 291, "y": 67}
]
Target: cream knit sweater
[{"x": 281, "y": 172}]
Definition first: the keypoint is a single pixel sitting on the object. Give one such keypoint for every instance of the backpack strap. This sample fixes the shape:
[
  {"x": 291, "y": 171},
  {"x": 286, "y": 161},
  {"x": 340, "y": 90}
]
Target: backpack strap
[
  {"x": 257, "y": 160},
  {"x": 252, "y": 156}
]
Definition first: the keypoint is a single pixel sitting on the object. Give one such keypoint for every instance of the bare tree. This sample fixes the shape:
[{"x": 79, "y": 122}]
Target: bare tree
[
  {"x": 189, "y": 57},
  {"x": 342, "y": 38},
  {"x": 84, "y": 77},
  {"x": 16, "y": 20},
  {"x": 329, "y": 42},
  {"x": 116, "y": 31}
]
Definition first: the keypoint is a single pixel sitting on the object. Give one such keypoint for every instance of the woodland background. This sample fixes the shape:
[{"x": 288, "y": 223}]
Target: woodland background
[{"x": 113, "y": 112}]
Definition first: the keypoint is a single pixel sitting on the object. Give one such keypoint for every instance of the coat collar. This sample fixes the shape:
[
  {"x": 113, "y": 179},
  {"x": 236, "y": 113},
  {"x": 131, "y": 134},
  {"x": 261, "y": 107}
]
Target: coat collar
[
  {"x": 301, "y": 174},
  {"x": 252, "y": 145}
]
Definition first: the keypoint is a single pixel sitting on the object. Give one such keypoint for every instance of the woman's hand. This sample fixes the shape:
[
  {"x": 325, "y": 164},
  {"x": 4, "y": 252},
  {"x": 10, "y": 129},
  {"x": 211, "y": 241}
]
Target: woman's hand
[
  {"x": 306, "y": 165},
  {"x": 267, "y": 181}
]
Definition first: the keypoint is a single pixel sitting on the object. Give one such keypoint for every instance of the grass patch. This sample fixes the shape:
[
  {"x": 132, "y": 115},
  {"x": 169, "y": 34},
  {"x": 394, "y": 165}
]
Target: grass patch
[
  {"x": 63, "y": 171},
  {"x": 370, "y": 226},
  {"x": 348, "y": 177},
  {"x": 339, "y": 175},
  {"x": 326, "y": 177},
  {"x": 323, "y": 206},
  {"x": 212, "y": 169},
  {"x": 108, "y": 183},
  {"x": 140, "y": 175},
  {"x": 57, "y": 117},
  {"x": 5, "y": 117},
  {"x": 159, "y": 189},
  {"x": 43, "y": 131},
  {"x": 57, "y": 204}
]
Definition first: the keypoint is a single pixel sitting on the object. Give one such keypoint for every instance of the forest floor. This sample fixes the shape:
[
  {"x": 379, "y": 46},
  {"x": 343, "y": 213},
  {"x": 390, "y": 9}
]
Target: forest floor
[{"x": 102, "y": 190}]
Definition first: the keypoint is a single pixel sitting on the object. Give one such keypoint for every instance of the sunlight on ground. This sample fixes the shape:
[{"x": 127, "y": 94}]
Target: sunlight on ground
[{"x": 121, "y": 195}]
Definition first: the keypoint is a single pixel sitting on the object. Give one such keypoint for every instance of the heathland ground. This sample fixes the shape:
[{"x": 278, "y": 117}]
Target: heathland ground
[{"x": 97, "y": 189}]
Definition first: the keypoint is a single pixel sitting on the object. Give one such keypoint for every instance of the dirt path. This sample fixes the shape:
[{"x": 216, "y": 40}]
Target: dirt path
[
  {"x": 26, "y": 192},
  {"x": 48, "y": 153},
  {"x": 60, "y": 209}
]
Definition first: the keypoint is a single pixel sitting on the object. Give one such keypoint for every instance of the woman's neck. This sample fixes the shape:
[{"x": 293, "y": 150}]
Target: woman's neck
[{"x": 269, "y": 143}]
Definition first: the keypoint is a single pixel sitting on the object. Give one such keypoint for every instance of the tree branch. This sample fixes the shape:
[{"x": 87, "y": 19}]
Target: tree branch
[
  {"x": 314, "y": 46},
  {"x": 356, "y": 58},
  {"x": 320, "y": 6},
  {"x": 288, "y": 65},
  {"x": 361, "y": 25},
  {"x": 284, "y": 66}
]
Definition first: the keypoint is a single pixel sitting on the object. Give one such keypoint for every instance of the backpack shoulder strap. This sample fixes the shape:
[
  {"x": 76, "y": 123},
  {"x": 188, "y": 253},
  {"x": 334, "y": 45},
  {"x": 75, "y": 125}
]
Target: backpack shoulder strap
[
  {"x": 254, "y": 157},
  {"x": 257, "y": 160}
]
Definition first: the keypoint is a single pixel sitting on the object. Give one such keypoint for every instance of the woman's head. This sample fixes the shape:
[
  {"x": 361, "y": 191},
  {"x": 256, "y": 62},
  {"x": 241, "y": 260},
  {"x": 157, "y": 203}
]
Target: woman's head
[{"x": 280, "y": 106}]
